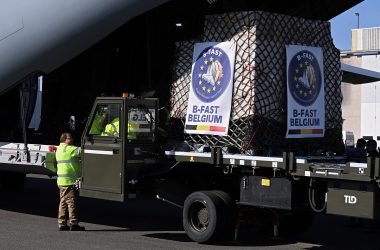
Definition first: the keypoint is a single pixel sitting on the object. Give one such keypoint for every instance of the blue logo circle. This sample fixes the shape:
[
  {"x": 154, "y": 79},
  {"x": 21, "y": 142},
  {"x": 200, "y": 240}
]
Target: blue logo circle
[
  {"x": 304, "y": 78},
  {"x": 211, "y": 74}
]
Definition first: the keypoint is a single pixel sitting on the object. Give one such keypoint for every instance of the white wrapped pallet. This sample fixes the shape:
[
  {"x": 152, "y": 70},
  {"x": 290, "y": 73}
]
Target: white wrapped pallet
[{"x": 259, "y": 97}]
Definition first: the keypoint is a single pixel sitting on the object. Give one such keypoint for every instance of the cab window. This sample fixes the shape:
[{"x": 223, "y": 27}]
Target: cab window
[
  {"x": 106, "y": 121},
  {"x": 141, "y": 124}
]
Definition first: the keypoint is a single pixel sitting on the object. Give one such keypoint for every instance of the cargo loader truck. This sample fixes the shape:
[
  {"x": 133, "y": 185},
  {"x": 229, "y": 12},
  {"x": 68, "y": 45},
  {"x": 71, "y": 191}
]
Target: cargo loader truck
[{"x": 218, "y": 191}]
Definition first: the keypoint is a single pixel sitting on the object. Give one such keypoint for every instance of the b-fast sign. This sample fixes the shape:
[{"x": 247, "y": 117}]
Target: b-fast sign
[
  {"x": 305, "y": 89},
  {"x": 209, "y": 106}
]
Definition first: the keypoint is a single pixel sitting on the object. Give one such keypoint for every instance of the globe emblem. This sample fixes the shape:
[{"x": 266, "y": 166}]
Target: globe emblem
[
  {"x": 211, "y": 74},
  {"x": 304, "y": 77}
]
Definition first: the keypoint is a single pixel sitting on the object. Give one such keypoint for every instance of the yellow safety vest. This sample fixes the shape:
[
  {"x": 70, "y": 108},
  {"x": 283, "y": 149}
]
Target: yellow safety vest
[
  {"x": 68, "y": 166},
  {"x": 97, "y": 124},
  {"x": 112, "y": 129},
  {"x": 50, "y": 162}
]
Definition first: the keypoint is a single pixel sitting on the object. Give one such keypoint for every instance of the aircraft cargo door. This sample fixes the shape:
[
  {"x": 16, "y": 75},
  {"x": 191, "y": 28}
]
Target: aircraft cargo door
[{"x": 102, "y": 158}]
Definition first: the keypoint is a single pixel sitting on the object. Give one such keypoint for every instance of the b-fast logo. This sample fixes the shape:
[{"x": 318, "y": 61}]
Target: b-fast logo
[{"x": 350, "y": 199}]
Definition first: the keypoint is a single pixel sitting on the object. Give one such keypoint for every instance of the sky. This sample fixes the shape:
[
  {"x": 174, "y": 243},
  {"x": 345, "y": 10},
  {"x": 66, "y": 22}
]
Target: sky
[{"x": 369, "y": 16}]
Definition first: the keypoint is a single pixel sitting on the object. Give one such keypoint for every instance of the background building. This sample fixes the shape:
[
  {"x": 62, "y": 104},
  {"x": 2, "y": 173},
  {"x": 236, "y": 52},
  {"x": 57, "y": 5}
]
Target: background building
[{"x": 361, "y": 103}]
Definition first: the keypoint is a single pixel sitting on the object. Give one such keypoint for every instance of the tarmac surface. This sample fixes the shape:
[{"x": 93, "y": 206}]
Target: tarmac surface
[{"x": 28, "y": 221}]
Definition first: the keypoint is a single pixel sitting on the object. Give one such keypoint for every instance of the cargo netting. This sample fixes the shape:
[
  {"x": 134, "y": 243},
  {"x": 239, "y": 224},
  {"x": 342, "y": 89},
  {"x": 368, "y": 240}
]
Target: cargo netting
[{"x": 258, "y": 115}]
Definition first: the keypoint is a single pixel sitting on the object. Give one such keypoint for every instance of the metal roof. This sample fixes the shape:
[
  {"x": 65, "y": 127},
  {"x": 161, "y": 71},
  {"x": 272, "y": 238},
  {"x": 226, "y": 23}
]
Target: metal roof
[{"x": 357, "y": 75}]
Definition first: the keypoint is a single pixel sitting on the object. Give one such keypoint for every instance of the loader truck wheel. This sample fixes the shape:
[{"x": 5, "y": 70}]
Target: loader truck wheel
[
  {"x": 230, "y": 214},
  {"x": 12, "y": 182},
  {"x": 204, "y": 216}
]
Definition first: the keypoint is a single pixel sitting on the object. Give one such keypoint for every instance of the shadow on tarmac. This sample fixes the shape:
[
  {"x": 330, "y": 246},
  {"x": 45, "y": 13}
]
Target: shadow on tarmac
[
  {"x": 40, "y": 197},
  {"x": 244, "y": 240}
]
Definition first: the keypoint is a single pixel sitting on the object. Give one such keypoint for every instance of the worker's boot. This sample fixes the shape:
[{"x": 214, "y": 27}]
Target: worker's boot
[{"x": 76, "y": 227}]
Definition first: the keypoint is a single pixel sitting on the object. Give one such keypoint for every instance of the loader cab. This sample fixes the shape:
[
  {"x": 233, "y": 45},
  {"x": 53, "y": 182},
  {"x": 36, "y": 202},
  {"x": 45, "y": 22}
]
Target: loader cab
[{"x": 119, "y": 147}]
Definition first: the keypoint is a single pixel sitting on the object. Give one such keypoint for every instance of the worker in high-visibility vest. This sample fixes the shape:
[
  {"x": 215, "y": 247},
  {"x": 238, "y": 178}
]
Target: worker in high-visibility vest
[
  {"x": 97, "y": 123},
  {"x": 68, "y": 172},
  {"x": 112, "y": 129}
]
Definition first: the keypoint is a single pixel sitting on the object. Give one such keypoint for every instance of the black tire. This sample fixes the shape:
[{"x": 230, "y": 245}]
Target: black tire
[
  {"x": 203, "y": 216},
  {"x": 12, "y": 182},
  {"x": 229, "y": 212},
  {"x": 225, "y": 197}
]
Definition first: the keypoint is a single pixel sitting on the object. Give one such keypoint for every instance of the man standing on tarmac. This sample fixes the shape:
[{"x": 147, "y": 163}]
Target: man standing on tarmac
[{"x": 68, "y": 171}]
